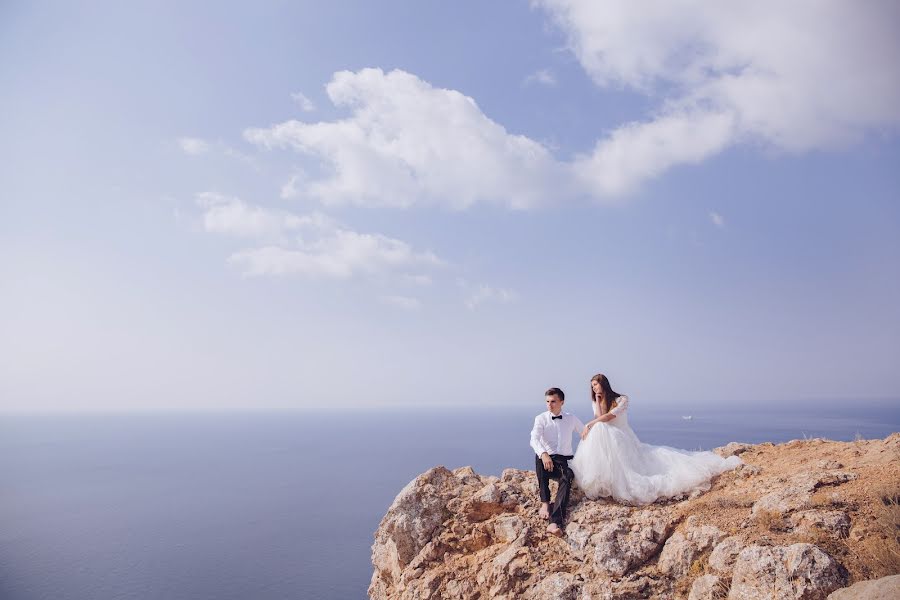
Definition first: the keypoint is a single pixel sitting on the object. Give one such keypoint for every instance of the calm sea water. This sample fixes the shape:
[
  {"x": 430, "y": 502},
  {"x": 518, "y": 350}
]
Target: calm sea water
[{"x": 273, "y": 506}]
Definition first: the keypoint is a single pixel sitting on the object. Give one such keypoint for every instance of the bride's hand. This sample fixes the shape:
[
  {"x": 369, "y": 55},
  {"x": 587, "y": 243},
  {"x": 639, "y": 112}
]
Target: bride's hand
[{"x": 587, "y": 429}]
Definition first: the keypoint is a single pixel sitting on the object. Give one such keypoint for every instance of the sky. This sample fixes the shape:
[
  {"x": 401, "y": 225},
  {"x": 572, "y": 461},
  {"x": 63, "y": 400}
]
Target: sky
[{"x": 359, "y": 205}]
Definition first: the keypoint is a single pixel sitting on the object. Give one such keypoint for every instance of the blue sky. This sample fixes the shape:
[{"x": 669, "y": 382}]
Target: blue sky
[{"x": 357, "y": 204}]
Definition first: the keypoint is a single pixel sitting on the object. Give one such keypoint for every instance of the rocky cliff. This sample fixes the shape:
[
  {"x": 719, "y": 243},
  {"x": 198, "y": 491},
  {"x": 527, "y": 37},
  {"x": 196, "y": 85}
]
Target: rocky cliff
[{"x": 797, "y": 520}]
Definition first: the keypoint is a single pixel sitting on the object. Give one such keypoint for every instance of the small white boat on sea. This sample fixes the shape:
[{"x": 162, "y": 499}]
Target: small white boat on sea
[{"x": 687, "y": 417}]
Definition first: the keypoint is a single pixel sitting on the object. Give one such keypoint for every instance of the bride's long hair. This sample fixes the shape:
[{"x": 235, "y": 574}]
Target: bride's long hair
[{"x": 608, "y": 393}]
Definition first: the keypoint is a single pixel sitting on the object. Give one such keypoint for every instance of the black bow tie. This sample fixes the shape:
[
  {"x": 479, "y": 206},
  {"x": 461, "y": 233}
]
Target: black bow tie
[{"x": 559, "y": 417}]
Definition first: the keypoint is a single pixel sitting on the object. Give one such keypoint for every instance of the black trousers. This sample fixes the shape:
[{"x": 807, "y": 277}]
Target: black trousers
[{"x": 564, "y": 474}]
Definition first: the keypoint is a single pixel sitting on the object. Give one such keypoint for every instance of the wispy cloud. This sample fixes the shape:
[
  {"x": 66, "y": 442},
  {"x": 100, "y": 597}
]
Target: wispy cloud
[
  {"x": 291, "y": 188},
  {"x": 476, "y": 295},
  {"x": 419, "y": 279},
  {"x": 340, "y": 255},
  {"x": 312, "y": 245},
  {"x": 193, "y": 146},
  {"x": 401, "y": 302},
  {"x": 232, "y": 216},
  {"x": 305, "y": 104},
  {"x": 542, "y": 77},
  {"x": 197, "y": 146}
]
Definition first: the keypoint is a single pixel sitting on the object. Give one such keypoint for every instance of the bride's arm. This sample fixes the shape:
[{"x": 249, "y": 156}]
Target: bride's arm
[{"x": 621, "y": 405}]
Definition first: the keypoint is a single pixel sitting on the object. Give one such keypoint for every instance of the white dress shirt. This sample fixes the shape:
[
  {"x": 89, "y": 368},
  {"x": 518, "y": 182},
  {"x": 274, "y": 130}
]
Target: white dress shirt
[{"x": 554, "y": 436}]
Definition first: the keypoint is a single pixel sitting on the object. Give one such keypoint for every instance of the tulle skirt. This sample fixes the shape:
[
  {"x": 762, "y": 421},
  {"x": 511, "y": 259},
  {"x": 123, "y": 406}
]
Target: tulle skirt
[{"x": 613, "y": 462}]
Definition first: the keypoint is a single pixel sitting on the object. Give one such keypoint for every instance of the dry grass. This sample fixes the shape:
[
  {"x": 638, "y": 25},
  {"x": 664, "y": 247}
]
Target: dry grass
[
  {"x": 826, "y": 500},
  {"x": 721, "y": 589},
  {"x": 769, "y": 520},
  {"x": 698, "y": 568},
  {"x": 882, "y": 545},
  {"x": 729, "y": 502}
]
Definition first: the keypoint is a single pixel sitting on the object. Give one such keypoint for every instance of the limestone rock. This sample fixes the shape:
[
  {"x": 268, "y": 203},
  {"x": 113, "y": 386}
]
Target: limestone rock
[
  {"x": 625, "y": 543},
  {"x": 633, "y": 587},
  {"x": 732, "y": 449},
  {"x": 683, "y": 547},
  {"x": 558, "y": 586},
  {"x": 833, "y": 522},
  {"x": 508, "y": 528},
  {"x": 874, "y": 589},
  {"x": 798, "y": 489},
  {"x": 723, "y": 556},
  {"x": 706, "y": 587},
  {"x": 799, "y": 571},
  {"x": 417, "y": 511}
]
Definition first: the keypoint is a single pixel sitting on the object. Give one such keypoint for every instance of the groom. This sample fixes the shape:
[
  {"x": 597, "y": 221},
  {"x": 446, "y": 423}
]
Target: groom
[{"x": 551, "y": 440}]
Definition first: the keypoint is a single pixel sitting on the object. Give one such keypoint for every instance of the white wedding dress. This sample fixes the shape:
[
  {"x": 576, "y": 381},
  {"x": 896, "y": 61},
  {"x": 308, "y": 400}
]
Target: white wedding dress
[{"x": 613, "y": 462}]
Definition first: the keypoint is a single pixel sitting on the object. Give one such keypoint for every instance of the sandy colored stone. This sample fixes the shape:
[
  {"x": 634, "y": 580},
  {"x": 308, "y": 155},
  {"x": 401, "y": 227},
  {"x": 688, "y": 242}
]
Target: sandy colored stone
[
  {"x": 799, "y": 571},
  {"x": 832, "y": 522},
  {"x": 684, "y": 546},
  {"x": 886, "y": 588},
  {"x": 558, "y": 586},
  {"x": 706, "y": 587},
  {"x": 797, "y": 491},
  {"x": 733, "y": 449},
  {"x": 721, "y": 559}
]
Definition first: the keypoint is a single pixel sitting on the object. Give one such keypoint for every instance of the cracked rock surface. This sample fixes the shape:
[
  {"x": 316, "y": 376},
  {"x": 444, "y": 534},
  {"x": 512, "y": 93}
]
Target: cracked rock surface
[{"x": 797, "y": 521}]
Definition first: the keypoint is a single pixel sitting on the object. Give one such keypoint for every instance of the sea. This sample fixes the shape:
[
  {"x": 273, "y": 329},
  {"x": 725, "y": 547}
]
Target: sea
[{"x": 279, "y": 505}]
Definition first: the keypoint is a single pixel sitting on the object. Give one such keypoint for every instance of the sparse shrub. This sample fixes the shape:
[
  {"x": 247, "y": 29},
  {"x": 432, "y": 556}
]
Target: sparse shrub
[
  {"x": 883, "y": 543},
  {"x": 721, "y": 589},
  {"x": 825, "y": 499},
  {"x": 816, "y": 535},
  {"x": 697, "y": 569},
  {"x": 770, "y": 520}
]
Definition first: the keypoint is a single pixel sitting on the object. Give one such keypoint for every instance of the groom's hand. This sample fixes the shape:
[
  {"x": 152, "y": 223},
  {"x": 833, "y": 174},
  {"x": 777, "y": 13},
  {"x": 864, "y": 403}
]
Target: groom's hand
[{"x": 548, "y": 462}]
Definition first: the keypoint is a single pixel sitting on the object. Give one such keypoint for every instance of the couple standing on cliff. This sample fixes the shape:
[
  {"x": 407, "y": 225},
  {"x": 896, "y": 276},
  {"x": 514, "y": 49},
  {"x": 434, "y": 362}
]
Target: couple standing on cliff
[{"x": 611, "y": 461}]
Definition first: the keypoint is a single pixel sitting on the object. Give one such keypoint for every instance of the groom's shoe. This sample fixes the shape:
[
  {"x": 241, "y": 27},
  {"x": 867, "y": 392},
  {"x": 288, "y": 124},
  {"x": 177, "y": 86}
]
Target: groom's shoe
[{"x": 554, "y": 529}]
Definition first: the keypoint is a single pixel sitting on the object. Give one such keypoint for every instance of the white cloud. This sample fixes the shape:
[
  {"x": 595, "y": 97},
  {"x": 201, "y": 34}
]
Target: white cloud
[
  {"x": 306, "y": 105},
  {"x": 717, "y": 219},
  {"x": 407, "y": 142},
  {"x": 313, "y": 245},
  {"x": 193, "y": 146},
  {"x": 197, "y": 146},
  {"x": 542, "y": 77},
  {"x": 639, "y": 151},
  {"x": 479, "y": 294},
  {"x": 402, "y": 302},
  {"x": 233, "y": 216},
  {"x": 340, "y": 255},
  {"x": 795, "y": 76}
]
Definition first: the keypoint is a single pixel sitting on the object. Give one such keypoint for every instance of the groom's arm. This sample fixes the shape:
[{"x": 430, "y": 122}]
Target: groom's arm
[
  {"x": 537, "y": 440},
  {"x": 579, "y": 426},
  {"x": 538, "y": 445}
]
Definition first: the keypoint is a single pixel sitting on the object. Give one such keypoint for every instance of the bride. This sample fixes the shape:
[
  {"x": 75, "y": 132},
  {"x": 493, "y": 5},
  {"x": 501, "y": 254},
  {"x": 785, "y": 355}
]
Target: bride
[{"x": 612, "y": 461}]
